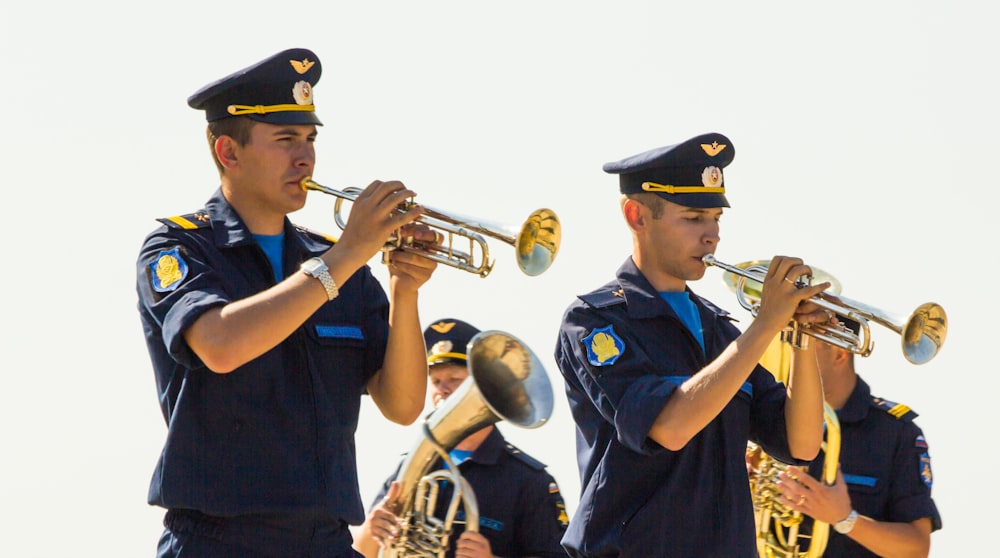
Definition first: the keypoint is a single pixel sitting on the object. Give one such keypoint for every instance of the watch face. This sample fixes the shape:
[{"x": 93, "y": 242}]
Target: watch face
[{"x": 313, "y": 265}]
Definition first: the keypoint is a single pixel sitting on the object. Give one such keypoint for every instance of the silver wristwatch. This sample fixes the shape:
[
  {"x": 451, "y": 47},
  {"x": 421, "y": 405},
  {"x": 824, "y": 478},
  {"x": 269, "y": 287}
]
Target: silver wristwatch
[
  {"x": 315, "y": 267},
  {"x": 845, "y": 525}
]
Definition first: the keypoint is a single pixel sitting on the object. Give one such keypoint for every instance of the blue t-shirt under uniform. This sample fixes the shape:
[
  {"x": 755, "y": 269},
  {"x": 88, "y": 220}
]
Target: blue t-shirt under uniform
[
  {"x": 687, "y": 312},
  {"x": 272, "y": 245}
]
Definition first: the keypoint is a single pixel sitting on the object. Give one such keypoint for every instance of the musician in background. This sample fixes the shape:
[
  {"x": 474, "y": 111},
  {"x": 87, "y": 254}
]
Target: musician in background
[
  {"x": 664, "y": 389},
  {"x": 263, "y": 336},
  {"x": 521, "y": 511},
  {"x": 880, "y": 504}
]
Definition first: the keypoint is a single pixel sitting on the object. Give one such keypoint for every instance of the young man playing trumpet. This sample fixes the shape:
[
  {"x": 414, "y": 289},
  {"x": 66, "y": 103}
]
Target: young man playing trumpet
[
  {"x": 263, "y": 337},
  {"x": 664, "y": 389}
]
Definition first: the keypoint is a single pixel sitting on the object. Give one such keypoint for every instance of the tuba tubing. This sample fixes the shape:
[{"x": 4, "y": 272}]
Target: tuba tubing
[
  {"x": 777, "y": 525},
  {"x": 506, "y": 382}
]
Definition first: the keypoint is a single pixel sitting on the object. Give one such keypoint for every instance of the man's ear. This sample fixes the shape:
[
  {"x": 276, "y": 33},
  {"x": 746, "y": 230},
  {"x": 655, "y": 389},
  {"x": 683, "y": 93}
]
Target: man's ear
[
  {"x": 843, "y": 356},
  {"x": 225, "y": 150},
  {"x": 634, "y": 214}
]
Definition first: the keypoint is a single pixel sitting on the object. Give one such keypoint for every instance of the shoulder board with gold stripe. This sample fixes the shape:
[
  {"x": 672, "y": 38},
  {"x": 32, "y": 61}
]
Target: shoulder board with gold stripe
[
  {"x": 523, "y": 457},
  {"x": 604, "y": 298},
  {"x": 898, "y": 410},
  {"x": 197, "y": 220},
  {"x": 317, "y": 235}
]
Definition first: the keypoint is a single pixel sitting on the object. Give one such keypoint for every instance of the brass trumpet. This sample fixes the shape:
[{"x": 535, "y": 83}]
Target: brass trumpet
[
  {"x": 535, "y": 242},
  {"x": 922, "y": 333}
]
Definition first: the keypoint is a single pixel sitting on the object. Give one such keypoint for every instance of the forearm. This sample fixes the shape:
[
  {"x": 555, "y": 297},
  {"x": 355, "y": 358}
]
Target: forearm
[
  {"x": 804, "y": 406},
  {"x": 893, "y": 540},
  {"x": 364, "y": 541},
  {"x": 399, "y": 389},
  {"x": 697, "y": 401},
  {"x": 228, "y": 337}
]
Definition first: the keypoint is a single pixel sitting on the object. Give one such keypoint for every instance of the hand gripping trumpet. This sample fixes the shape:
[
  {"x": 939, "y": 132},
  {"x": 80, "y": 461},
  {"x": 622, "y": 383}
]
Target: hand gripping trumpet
[
  {"x": 922, "y": 333},
  {"x": 536, "y": 241}
]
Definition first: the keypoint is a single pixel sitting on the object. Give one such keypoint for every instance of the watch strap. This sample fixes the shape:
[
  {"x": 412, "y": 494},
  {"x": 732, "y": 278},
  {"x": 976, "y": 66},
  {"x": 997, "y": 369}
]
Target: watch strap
[{"x": 319, "y": 270}]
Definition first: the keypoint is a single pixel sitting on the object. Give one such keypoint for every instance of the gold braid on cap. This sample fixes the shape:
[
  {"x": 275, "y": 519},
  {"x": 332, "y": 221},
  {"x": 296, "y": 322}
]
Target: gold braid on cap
[
  {"x": 440, "y": 356},
  {"x": 670, "y": 189},
  {"x": 238, "y": 110}
]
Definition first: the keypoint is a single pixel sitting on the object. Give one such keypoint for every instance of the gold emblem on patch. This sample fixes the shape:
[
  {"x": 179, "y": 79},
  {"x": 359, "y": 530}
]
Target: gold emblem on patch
[
  {"x": 301, "y": 67},
  {"x": 168, "y": 270},
  {"x": 604, "y": 347},
  {"x": 714, "y": 148},
  {"x": 563, "y": 518},
  {"x": 443, "y": 327}
]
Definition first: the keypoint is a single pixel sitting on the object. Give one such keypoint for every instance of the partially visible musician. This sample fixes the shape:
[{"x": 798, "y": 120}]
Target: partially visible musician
[
  {"x": 521, "y": 511},
  {"x": 880, "y": 504},
  {"x": 264, "y": 336},
  {"x": 664, "y": 389}
]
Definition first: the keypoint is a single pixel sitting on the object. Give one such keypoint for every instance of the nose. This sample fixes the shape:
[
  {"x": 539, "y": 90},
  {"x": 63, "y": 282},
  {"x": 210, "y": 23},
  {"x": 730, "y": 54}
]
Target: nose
[
  {"x": 711, "y": 236},
  {"x": 306, "y": 156},
  {"x": 448, "y": 388}
]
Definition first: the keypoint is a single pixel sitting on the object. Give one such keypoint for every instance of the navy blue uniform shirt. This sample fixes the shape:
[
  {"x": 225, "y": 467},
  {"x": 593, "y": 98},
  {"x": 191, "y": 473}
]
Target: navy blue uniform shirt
[
  {"x": 623, "y": 351},
  {"x": 886, "y": 464},
  {"x": 276, "y": 435},
  {"x": 521, "y": 511}
]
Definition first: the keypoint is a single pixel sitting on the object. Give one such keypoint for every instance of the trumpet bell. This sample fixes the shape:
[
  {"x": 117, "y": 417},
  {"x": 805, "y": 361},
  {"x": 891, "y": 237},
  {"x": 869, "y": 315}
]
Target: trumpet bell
[
  {"x": 924, "y": 333},
  {"x": 538, "y": 242}
]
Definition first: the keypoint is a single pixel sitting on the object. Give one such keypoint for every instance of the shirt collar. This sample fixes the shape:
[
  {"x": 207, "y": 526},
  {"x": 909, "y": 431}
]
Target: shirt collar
[
  {"x": 229, "y": 230},
  {"x": 643, "y": 301},
  {"x": 489, "y": 452},
  {"x": 857, "y": 405}
]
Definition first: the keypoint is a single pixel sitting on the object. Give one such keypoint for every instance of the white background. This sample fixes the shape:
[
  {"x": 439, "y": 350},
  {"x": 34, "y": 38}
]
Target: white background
[{"x": 865, "y": 135}]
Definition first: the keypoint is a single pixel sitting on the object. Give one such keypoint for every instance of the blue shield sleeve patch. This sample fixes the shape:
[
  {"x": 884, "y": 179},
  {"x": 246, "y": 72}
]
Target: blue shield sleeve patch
[
  {"x": 603, "y": 346},
  {"x": 168, "y": 270},
  {"x": 925, "y": 469}
]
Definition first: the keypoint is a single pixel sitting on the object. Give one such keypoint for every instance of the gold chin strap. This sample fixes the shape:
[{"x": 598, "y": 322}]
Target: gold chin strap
[
  {"x": 670, "y": 189},
  {"x": 238, "y": 110}
]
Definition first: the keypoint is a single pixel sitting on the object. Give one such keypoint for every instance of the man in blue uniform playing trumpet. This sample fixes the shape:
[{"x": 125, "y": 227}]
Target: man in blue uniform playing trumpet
[
  {"x": 664, "y": 389},
  {"x": 264, "y": 337}
]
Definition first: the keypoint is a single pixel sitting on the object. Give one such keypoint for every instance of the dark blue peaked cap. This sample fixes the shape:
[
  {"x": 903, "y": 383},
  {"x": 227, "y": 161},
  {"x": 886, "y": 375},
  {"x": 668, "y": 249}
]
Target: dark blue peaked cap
[
  {"x": 276, "y": 90},
  {"x": 688, "y": 173},
  {"x": 447, "y": 340}
]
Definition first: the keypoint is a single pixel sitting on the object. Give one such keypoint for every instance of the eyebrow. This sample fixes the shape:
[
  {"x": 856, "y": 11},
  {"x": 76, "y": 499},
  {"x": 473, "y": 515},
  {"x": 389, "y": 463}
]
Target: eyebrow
[
  {"x": 702, "y": 210},
  {"x": 293, "y": 131}
]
